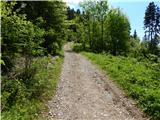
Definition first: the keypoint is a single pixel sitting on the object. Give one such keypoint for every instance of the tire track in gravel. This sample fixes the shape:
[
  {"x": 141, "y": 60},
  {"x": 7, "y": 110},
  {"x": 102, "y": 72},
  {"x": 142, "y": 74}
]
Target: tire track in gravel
[{"x": 85, "y": 93}]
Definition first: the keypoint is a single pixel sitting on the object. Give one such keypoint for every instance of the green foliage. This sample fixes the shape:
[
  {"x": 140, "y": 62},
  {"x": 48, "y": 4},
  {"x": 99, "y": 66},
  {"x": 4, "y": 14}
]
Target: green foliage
[
  {"x": 117, "y": 32},
  {"x": 53, "y": 45},
  {"x": 18, "y": 36},
  {"x": 49, "y": 15},
  {"x": 24, "y": 99},
  {"x": 70, "y": 13},
  {"x": 77, "y": 48},
  {"x": 106, "y": 30},
  {"x": 23, "y": 39},
  {"x": 93, "y": 20},
  {"x": 71, "y": 35},
  {"x": 140, "y": 80},
  {"x": 135, "y": 47},
  {"x": 152, "y": 27}
]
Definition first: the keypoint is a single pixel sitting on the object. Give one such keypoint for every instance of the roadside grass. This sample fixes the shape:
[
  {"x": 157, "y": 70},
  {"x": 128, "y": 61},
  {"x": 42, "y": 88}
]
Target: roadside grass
[
  {"x": 29, "y": 101},
  {"x": 140, "y": 80}
]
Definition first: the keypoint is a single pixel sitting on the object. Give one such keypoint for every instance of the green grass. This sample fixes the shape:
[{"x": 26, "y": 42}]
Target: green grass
[
  {"x": 140, "y": 80},
  {"x": 30, "y": 100}
]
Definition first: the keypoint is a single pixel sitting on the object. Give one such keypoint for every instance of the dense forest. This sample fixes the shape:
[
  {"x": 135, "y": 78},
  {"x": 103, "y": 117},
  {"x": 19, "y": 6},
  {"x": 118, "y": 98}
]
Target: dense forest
[
  {"x": 32, "y": 32},
  {"x": 32, "y": 38}
]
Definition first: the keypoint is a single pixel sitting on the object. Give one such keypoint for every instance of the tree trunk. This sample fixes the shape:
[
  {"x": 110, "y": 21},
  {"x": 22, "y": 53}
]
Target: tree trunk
[{"x": 102, "y": 36}]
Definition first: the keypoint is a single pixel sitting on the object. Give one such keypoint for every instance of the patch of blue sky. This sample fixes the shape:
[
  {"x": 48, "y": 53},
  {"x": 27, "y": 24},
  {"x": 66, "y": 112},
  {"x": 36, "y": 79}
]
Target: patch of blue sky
[{"x": 134, "y": 9}]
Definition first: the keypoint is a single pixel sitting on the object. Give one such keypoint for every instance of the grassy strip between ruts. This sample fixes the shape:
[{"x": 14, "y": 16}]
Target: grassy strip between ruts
[
  {"x": 140, "y": 80},
  {"x": 43, "y": 88}
]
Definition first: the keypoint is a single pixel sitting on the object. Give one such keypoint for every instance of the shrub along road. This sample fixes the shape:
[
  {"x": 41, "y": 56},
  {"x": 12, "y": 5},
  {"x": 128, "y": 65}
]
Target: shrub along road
[{"x": 84, "y": 92}]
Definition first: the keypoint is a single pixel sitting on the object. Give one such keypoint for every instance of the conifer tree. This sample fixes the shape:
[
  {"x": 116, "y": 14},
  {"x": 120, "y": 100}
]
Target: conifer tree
[
  {"x": 135, "y": 34},
  {"x": 152, "y": 26}
]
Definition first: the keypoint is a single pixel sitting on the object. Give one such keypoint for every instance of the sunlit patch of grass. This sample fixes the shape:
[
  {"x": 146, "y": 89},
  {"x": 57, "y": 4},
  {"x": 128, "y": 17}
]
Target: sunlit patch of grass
[{"x": 140, "y": 80}]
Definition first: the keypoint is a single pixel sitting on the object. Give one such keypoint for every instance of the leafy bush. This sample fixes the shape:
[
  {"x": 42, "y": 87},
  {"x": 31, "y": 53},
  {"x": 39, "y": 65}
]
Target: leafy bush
[
  {"x": 23, "y": 34},
  {"x": 78, "y": 47},
  {"x": 53, "y": 43},
  {"x": 19, "y": 36},
  {"x": 23, "y": 99},
  {"x": 152, "y": 57}
]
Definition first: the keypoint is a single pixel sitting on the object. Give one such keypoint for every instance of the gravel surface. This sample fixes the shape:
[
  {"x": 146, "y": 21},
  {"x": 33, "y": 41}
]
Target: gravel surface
[{"x": 85, "y": 93}]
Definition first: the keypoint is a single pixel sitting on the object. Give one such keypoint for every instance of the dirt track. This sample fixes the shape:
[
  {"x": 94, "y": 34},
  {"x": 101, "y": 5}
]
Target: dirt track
[{"x": 85, "y": 93}]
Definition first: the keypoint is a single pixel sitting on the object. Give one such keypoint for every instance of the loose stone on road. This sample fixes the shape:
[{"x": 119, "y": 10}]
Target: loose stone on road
[{"x": 85, "y": 93}]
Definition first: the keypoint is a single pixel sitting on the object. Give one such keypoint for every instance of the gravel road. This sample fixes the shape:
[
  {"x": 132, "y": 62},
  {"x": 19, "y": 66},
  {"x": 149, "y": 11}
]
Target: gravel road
[{"x": 85, "y": 93}]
